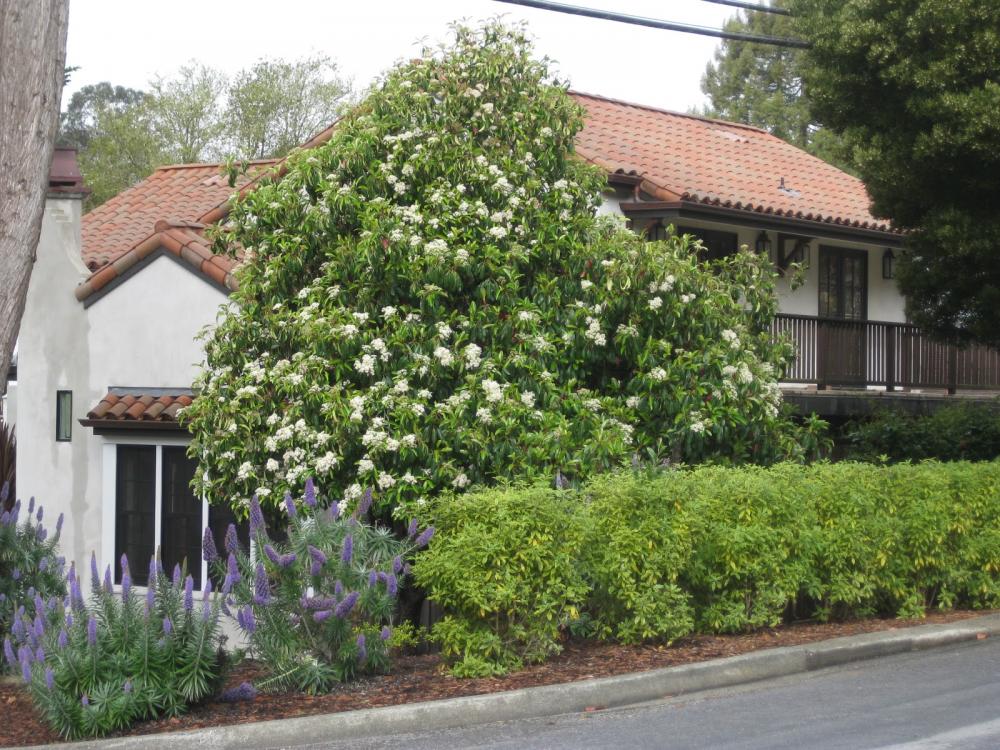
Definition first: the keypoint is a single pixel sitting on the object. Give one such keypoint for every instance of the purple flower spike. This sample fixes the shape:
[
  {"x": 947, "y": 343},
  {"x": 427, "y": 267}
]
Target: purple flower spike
[
  {"x": 177, "y": 574},
  {"x": 391, "y": 584},
  {"x": 8, "y": 652},
  {"x": 272, "y": 554},
  {"x": 246, "y": 619},
  {"x": 261, "y": 587},
  {"x": 338, "y": 589},
  {"x": 150, "y": 599},
  {"x": 154, "y": 571},
  {"x": 231, "y": 542},
  {"x": 40, "y": 655},
  {"x": 59, "y": 524},
  {"x": 126, "y": 585},
  {"x": 43, "y": 565},
  {"x": 40, "y": 514},
  {"x": 39, "y": 626},
  {"x": 310, "y": 496},
  {"x": 232, "y": 570},
  {"x": 124, "y": 564},
  {"x": 397, "y": 564},
  {"x": 207, "y": 590},
  {"x": 84, "y": 701},
  {"x": 372, "y": 579},
  {"x": 50, "y": 678},
  {"x": 334, "y": 511},
  {"x": 92, "y": 631},
  {"x": 413, "y": 528},
  {"x": 31, "y": 505},
  {"x": 424, "y": 538},
  {"x": 289, "y": 505},
  {"x": 16, "y": 574},
  {"x": 286, "y": 561},
  {"x": 362, "y": 647},
  {"x": 69, "y": 619},
  {"x": 41, "y": 533},
  {"x": 26, "y": 671},
  {"x": 386, "y": 633},
  {"x": 348, "y": 551},
  {"x": 208, "y": 550},
  {"x": 5, "y": 518},
  {"x": 107, "y": 580},
  {"x": 344, "y": 608},
  {"x": 168, "y": 626},
  {"x": 127, "y": 687},
  {"x": 318, "y": 557},
  {"x": 322, "y": 615},
  {"x": 366, "y": 502},
  {"x": 188, "y": 594},
  {"x": 256, "y": 516},
  {"x": 95, "y": 577},
  {"x": 63, "y": 639},
  {"x": 245, "y": 692}
]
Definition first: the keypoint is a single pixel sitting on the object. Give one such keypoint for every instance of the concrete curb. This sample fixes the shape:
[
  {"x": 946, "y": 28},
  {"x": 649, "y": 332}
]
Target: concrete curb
[{"x": 552, "y": 700}]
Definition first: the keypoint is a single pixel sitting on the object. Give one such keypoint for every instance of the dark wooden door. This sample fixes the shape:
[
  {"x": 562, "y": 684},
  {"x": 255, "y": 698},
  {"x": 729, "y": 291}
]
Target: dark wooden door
[{"x": 842, "y": 356}]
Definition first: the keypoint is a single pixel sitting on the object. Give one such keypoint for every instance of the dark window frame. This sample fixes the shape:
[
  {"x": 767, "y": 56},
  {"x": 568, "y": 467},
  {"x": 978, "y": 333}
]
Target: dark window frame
[
  {"x": 61, "y": 412},
  {"x": 718, "y": 243}
]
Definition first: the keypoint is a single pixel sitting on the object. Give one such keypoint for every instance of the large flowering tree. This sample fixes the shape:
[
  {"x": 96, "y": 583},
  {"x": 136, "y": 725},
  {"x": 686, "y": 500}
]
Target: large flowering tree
[{"x": 428, "y": 301}]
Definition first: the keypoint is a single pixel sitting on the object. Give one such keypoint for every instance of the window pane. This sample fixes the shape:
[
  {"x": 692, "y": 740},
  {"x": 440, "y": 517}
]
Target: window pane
[
  {"x": 717, "y": 244},
  {"x": 135, "y": 512},
  {"x": 64, "y": 415},
  {"x": 181, "y": 518}
]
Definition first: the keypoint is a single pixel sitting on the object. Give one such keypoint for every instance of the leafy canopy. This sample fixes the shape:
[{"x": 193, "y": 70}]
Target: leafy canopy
[
  {"x": 914, "y": 88},
  {"x": 428, "y": 302}
]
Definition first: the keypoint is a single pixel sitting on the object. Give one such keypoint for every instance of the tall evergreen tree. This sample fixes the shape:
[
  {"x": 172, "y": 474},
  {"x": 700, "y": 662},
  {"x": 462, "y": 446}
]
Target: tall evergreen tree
[{"x": 761, "y": 84}]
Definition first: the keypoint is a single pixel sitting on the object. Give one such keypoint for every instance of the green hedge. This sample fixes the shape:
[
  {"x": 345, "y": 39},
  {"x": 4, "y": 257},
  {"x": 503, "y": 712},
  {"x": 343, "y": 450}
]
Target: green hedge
[
  {"x": 636, "y": 556},
  {"x": 965, "y": 431}
]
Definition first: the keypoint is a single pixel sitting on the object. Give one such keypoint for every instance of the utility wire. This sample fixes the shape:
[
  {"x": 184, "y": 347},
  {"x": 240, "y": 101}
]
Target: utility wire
[
  {"x": 654, "y": 23},
  {"x": 752, "y": 6}
]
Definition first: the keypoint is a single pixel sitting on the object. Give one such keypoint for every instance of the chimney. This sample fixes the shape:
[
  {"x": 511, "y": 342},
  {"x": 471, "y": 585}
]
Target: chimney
[{"x": 64, "y": 174}]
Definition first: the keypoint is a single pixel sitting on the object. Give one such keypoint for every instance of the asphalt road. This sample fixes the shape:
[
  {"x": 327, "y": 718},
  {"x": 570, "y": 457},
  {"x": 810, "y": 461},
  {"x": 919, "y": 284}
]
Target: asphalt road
[{"x": 944, "y": 698}]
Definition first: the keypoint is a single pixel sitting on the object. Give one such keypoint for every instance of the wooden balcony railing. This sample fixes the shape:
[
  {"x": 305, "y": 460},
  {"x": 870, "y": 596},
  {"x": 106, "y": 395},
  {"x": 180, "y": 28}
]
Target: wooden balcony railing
[{"x": 871, "y": 352}]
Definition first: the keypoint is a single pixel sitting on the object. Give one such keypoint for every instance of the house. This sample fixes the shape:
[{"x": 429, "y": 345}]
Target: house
[{"x": 108, "y": 347}]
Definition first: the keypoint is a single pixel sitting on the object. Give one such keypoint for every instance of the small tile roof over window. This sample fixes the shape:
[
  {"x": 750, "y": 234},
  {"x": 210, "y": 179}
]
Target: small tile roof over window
[
  {"x": 138, "y": 409},
  {"x": 685, "y": 157},
  {"x": 184, "y": 190}
]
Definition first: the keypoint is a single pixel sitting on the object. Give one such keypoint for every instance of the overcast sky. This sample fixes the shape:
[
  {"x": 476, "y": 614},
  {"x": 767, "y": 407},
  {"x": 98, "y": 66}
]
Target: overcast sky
[{"x": 129, "y": 42}]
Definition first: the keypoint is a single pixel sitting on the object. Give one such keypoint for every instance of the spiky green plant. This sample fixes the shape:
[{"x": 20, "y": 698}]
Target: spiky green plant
[
  {"x": 316, "y": 610},
  {"x": 98, "y": 666}
]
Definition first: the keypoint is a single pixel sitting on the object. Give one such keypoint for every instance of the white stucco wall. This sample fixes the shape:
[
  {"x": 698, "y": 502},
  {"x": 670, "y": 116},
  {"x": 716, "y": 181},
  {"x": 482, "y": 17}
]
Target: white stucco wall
[
  {"x": 884, "y": 300},
  {"x": 140, "y": 334}
]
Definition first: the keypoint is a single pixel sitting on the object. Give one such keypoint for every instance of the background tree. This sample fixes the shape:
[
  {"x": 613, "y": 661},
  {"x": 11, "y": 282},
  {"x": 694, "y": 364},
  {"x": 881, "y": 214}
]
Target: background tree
[
  {"x": 195, "y": 115},
  {"x": 32, "y": 65},
  {"x": 275, "y": 105},
  {"x": 761, "y": 85},
  {"x": 913, "y": 86}
]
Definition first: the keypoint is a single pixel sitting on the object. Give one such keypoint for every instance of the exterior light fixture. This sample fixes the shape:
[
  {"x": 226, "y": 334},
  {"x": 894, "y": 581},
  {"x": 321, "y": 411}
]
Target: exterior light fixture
[
  {"x": 888, "y": 264},
  {"x": 763, "y": 244}
]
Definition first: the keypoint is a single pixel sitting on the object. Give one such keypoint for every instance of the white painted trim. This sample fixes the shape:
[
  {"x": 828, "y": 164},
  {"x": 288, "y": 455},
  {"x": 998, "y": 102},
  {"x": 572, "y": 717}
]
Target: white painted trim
[
  {"x": 109, "y": 500},
  {"x": 204, "y": 525},
  {"x": 158, "y": 503}
]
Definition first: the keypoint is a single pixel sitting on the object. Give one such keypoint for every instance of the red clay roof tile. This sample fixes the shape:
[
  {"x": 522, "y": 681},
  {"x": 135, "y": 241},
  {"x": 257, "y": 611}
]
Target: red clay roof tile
[{"x": 117, "y": 409}]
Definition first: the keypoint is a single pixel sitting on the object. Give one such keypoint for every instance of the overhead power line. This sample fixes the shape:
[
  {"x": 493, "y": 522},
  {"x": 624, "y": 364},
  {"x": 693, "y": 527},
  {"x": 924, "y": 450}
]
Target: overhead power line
[
  {"x": 752, "y": 6},
  {"x": 654, "y": 23}
]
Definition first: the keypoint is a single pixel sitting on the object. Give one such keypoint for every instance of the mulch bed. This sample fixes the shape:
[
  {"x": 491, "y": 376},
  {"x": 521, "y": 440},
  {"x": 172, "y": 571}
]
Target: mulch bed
[{"x": 419, "y": 678}]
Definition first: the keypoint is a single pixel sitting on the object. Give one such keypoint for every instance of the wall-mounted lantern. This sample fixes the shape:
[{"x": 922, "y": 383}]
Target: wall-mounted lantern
[
  {"x": 888, "y": 264},
  {"x": 763, "y": 244}
]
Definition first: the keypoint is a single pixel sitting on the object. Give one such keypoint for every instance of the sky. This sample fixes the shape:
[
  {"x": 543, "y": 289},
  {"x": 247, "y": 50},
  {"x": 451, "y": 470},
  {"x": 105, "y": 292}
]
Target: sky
[{"x": 130, "y": 42}]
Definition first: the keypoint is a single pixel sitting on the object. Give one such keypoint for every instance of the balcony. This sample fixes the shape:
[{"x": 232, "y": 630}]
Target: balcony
[{"x": 862, "y": 353}]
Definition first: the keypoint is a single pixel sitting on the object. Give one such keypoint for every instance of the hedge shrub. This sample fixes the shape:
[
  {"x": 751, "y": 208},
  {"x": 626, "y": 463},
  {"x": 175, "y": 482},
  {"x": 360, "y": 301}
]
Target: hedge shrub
[
  {"x": 505, "y": 566},
  {"x": 713, "y": 549},
  {"x": 959, "y": 432}
]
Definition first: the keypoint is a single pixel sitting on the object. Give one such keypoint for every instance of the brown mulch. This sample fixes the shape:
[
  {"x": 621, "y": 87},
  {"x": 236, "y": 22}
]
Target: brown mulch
[{"x": 419, "y": 678}]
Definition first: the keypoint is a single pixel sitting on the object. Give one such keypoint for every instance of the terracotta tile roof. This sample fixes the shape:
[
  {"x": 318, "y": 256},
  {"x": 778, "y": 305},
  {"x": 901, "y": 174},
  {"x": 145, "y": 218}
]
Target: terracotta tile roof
[
  {"x": 134, "y": 409},
  {"x": 685, "y": 157},
  {"x": 183, "y": 190},
  {"x": 182, "y": 239}
]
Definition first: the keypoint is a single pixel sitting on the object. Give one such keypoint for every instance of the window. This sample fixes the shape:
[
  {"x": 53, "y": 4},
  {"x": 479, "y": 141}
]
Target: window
[
  {"x": 843, "y": 283},
  {"x": 155, "y": 507},
  {"x": 64, "y": 416},
  {"x": 717, "y": 244}
]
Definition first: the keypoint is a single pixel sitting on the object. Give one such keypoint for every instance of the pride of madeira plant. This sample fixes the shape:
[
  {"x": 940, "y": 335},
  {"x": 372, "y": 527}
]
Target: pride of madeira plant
[
  {"x": 428, "y": 301},
  {"x": 97, "y": 666},
  {"x": 29, "y": 565},
  {"x": 316, "y": 610}
]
